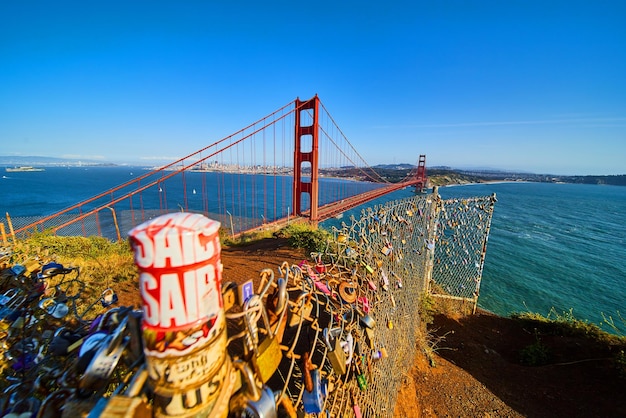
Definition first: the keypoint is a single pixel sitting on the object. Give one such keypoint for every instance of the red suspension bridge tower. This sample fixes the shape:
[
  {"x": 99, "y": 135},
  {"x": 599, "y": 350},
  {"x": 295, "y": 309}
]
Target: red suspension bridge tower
[
  {"x": 421, "y": 174},
  {"x": 306, "y": 167},
  {"x": 306, "y": 111}
]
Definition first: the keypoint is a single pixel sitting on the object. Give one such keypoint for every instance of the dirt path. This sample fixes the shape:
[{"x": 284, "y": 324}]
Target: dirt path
[{"x": 477, "y": 370}]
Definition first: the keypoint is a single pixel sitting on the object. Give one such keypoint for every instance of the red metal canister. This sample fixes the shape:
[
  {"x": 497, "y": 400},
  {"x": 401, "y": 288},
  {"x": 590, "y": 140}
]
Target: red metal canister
[{"x": 184, "y": 326}]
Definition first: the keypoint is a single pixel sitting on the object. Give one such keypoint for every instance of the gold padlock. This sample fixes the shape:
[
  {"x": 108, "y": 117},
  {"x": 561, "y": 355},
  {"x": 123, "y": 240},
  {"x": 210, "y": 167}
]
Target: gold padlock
[
  {"x": 336, "y": 355},
  {"x": 267, "y": 355}
]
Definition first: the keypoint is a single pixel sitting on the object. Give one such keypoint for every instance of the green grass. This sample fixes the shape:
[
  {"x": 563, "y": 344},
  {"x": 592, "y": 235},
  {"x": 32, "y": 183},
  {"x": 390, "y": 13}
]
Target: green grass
[
  {"x": 303, "y": 235},
  {"x": 567, "y": 324}
]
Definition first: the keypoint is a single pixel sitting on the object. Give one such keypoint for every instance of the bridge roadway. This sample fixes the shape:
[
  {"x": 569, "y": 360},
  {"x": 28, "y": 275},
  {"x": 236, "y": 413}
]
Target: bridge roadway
[{"x": 335, "y": 208}]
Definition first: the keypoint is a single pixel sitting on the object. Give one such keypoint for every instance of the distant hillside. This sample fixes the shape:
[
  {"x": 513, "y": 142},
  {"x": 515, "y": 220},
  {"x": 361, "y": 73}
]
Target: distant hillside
[
  {"x": 441, "y": 176},
  {"x": 32, "y": 160}
]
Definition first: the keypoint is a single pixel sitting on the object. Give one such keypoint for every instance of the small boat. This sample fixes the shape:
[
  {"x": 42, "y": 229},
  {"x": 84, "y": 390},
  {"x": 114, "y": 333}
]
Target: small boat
[{"x": 23, "y": 168}]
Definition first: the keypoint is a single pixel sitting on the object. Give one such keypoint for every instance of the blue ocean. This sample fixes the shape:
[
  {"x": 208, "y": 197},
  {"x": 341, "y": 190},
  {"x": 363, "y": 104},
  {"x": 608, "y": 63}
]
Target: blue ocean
[{"x": 552, "y": 246}]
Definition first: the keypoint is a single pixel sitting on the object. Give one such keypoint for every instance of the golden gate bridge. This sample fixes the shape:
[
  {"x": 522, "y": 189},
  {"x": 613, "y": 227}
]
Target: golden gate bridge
[{"x": 293, "y": 163}]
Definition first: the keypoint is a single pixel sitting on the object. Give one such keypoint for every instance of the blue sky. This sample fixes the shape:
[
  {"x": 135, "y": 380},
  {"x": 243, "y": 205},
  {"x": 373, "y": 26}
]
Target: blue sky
[{"x": 538, "y": 86}]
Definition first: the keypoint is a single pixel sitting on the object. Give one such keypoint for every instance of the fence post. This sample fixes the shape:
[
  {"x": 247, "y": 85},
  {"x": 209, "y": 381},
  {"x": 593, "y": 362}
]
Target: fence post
[
  {"x": 4, "y": 234},
  {"x": 117, "y": 227},
  {"x": 10, "y": 226}
]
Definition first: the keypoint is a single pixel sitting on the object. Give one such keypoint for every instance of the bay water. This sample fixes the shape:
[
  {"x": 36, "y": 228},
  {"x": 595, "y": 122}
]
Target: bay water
[{"x": 559, "y": 247}]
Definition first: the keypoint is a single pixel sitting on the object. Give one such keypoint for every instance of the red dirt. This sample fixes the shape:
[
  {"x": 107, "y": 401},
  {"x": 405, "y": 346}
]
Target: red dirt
[{"x": 477, "y": 370}]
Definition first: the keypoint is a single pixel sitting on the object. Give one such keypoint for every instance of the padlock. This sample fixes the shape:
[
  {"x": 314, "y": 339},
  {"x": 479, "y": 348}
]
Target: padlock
[
  {"x": 398, "y": 280},
  {"x": 302, "y": 310},
  {"x": 369, "y": 333},
  {"x": 277, "y": 300},
  {"x": 355, "y": 407},
  {"x": 385, "y": 279},
  {"x": 367, "y": 321},
  {"x": 229, "y": 295},
  {"x": 9, "y": 295},
  {"x": 12, "y": 305},
  {"x": 361, "y": 380},
  {"x": 267, "y": 355},
  {"x": 105, "y": 359},
  {"x": 320, "y": 267},
  {"x": 348, "y": 291},
  {"x": 313, "y": 401},
  {"x": 368, "y": 268},
  {"x": 348, "y": 347},
  {"x": 108, "y": 297},
  {"x": 50, "y": 269},
  {"x": 335, "y": 354},
  {"x": 125, "y": 404},
  {"x": 251, "y": 400},
  {"x": 53, "y": 307}
]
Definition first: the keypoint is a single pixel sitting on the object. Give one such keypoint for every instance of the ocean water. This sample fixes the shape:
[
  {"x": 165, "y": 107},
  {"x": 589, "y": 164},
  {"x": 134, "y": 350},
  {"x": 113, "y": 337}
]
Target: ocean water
[
  {"x": 560, "y": 246},
  {"x": 552, "y": 246}
]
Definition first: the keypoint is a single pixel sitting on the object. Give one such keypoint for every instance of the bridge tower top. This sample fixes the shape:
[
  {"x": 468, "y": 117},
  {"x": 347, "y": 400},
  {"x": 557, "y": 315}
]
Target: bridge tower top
[{"x": 420, "y": 175}]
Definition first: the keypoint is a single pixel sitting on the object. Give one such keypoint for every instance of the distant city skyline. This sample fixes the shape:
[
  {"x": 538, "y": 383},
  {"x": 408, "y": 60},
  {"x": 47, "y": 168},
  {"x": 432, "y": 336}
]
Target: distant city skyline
[{"x": 528, "y": 86}]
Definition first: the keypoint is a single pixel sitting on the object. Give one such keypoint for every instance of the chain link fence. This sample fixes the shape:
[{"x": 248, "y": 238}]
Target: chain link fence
[
  {"x": 391, "y": 249},
  {"x": 462, "y": 233},
  {"x": 393, "y": 255},
  {"x": 350, "y": 323}
]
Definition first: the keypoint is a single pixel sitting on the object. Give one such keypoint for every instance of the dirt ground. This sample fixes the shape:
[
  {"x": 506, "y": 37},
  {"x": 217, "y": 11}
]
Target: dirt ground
[
  {"x": 475, "y": 369},
  {"x": 478, "y": 373}
]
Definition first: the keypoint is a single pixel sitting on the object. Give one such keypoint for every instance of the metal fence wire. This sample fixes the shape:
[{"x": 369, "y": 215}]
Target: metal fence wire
[
  {"x": 389, "y": 257},
  {"x": 336, "y": 334},
  {"x": 389, "y": 250},
  {"x": 462, "y": 234}
]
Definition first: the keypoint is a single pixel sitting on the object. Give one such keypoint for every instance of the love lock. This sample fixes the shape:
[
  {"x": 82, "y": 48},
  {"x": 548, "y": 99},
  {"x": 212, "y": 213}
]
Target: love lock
[
  {"x": 229, "y": 295},
  {"x": 12, "y": 303},
  {"x": 105, "y": 359},
  {"x": 9, "y": 295},
  {"x": 252, "y": 401},
  {"x": 125, "y": 401},
  {"x": 277, "y": 301},
  {"x": 51, "y": 269},
  {"x": 361, "y": 380},
  {"x": 108, "y": 298},
  {"x": 54, "y": 307},
  {"x": 336, "y": 355},
  {"x": 23, "y": 354},
  {"x": 267, "y": 355},
  {"x": 61, "y": 341},
  {"x": 313, "y": 400},
  {"x": 302, "y": 310}
]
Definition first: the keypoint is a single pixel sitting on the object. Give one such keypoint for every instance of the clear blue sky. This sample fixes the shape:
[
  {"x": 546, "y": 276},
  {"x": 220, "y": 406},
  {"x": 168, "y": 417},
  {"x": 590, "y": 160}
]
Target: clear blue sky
[{"x": 537, "y": 86}]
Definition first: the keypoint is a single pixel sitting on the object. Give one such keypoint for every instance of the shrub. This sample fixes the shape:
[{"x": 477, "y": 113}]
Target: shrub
[
  {"x": 535, "y": 354},
  {"x": 302, "y": 235}
]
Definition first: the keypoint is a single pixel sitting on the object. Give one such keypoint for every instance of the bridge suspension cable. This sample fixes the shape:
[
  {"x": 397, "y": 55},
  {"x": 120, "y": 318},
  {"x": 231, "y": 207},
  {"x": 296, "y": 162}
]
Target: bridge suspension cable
[{"x": 244, "y": 180}]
